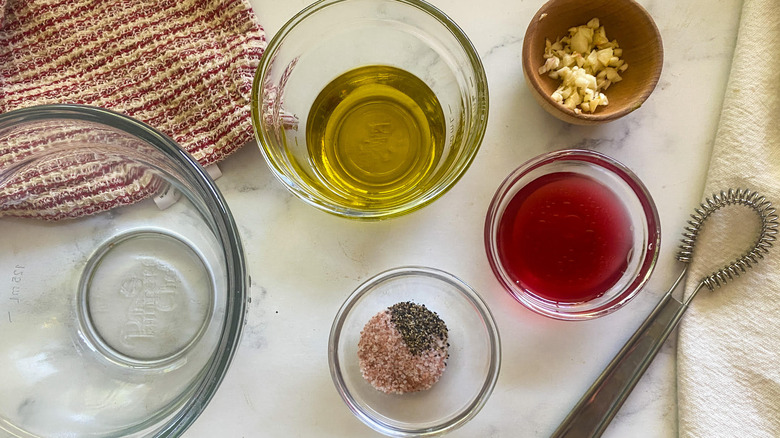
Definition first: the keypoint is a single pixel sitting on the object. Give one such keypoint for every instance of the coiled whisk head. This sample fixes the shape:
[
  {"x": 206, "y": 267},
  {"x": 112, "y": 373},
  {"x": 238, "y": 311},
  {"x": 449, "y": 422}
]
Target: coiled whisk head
[{"x": 767, "y": 236}]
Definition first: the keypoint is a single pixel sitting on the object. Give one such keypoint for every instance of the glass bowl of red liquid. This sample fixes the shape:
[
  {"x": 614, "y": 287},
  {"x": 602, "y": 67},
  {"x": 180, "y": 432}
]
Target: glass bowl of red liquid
[{"x": 572, "y": 234}]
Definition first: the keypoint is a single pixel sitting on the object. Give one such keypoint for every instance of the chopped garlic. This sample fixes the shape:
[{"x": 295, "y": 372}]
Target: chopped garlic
[
  {"x": 586, "y": 62},
  {"x": 604, "y": 56},
  {"x": 551, "y": 63}
]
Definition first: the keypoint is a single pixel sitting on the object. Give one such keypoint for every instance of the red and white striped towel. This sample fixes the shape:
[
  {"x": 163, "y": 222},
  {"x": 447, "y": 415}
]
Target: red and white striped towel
[{"x": 184, "y": 67}]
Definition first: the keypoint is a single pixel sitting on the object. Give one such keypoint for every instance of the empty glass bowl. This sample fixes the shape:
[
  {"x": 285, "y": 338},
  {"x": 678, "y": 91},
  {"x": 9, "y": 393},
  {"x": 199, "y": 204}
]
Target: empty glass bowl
[
  {"x": 572, "y": 234},
  {"x": 472, "y": 368},
  {"x": 126, "y": 273},
  {"x": 369, "y": 109}
]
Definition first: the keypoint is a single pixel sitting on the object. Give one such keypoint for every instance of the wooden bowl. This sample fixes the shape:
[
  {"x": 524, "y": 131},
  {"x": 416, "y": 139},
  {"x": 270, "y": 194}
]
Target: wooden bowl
[{"x": 625, "y": 21}]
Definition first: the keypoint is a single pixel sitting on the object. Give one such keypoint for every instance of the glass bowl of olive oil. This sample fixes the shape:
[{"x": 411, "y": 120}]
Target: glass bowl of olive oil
[{"x": 370, "y": 109}]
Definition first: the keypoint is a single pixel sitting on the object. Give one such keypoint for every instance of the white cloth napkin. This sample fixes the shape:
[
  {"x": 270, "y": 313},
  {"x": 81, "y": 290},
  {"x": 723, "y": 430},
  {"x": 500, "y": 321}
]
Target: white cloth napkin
[{"x": 728, "y": 371}]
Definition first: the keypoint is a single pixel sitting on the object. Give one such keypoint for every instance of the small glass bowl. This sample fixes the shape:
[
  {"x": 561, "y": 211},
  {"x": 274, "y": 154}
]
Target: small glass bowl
[
  {"x": 644, "y": 229},
  {"x": 472, "y": 368},
  {"x": 331, "y": 37}
]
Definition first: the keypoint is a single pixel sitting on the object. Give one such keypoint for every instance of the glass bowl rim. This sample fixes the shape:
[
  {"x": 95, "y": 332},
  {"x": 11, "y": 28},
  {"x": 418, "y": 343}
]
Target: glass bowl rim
[
  {"x": 182, "y": 416},
  {"x": 311, "y": 197},
  {"x": 652, "y": 232},
  {"x": 467, "y": 293}
]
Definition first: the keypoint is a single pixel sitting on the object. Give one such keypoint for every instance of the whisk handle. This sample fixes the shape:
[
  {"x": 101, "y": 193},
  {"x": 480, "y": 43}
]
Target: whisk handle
[{"x": 593, "y": 413}]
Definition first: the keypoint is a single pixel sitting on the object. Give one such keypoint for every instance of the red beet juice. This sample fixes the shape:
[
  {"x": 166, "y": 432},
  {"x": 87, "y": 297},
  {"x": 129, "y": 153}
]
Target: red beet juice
[{"x": 565, "y": 237}]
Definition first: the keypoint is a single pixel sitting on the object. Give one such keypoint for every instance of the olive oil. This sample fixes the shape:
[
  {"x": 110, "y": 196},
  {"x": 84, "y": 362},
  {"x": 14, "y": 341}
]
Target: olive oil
[{"x": 375, "y": 134}]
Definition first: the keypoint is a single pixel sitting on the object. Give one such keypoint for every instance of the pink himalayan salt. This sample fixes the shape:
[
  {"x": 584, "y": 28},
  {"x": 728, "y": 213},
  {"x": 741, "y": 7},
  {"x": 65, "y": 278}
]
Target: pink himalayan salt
[{"x": 387, "y": 363}]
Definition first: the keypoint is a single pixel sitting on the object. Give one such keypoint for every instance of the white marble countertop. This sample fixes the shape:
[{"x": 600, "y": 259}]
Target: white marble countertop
[{"x": 304, "y": 262}]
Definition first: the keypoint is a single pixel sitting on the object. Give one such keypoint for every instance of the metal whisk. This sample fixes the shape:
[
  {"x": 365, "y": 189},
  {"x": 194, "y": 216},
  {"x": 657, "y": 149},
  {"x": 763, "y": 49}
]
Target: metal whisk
[{"x": 604, "y": 398}]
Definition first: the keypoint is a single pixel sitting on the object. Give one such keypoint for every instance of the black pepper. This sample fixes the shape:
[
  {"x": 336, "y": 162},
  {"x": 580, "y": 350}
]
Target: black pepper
[
  {"x": 418, "y": 326},
  {"x": 403, "y": 349}
]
